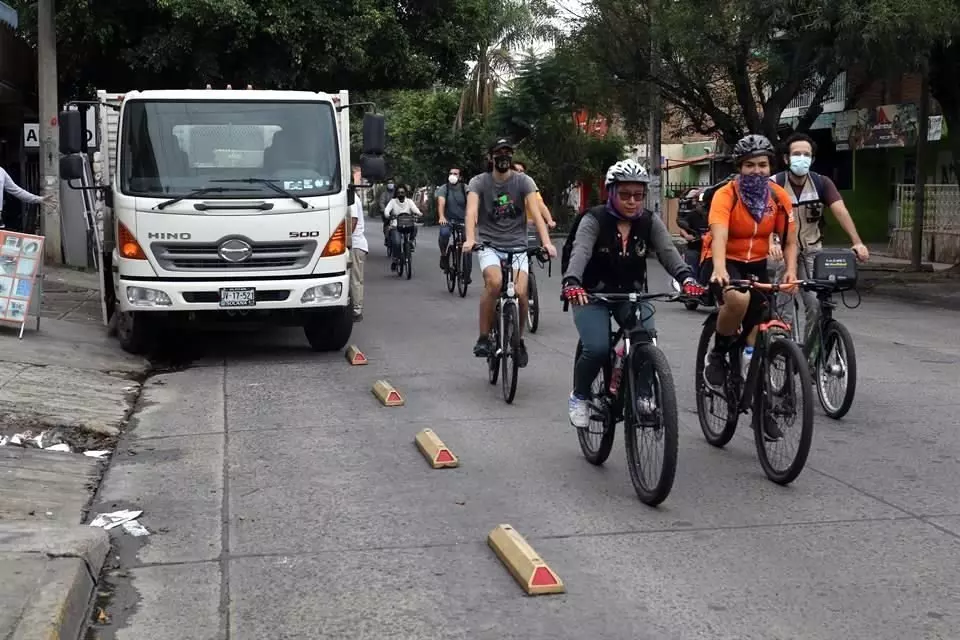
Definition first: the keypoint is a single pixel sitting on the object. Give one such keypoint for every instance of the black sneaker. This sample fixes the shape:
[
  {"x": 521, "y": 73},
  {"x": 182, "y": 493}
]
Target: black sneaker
[
  {"x": 393, "y": 266},
  {"x": 771, "y": 431},
  {"x": 444, "y": 263},
  {"x": 715, "y": 370},
  {"x": 482, "y": 348},
  {"x": 522, "y": 357}
]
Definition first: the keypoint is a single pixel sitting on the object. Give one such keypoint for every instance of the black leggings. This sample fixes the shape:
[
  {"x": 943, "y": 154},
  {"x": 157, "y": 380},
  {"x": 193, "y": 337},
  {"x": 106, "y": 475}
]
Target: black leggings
[{"x": 740, "y": 271}]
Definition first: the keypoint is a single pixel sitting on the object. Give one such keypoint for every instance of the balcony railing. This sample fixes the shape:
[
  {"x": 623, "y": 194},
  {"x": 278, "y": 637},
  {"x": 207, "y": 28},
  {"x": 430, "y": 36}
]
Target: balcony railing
[{"x": 834, "y": 100}]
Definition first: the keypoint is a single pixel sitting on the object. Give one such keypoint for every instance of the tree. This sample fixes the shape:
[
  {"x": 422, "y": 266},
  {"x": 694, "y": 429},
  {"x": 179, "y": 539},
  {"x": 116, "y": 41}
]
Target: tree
[
  {"x": 729, "y": 67},
  {"x": 302, "y": 44},
  {"x": 538, "y": 112},
  {"x": 508, "y": 26}
]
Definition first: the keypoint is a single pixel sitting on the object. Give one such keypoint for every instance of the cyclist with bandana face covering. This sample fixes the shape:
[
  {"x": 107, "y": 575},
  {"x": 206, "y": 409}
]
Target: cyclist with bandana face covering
[
  {"x": 744, "y": 213},
  {"x": 609, "y": 255}
]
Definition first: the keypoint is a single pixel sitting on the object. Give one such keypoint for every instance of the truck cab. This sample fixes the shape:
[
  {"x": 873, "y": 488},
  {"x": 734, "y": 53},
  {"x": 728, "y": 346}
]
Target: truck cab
[{"x": 224, "y": 202}]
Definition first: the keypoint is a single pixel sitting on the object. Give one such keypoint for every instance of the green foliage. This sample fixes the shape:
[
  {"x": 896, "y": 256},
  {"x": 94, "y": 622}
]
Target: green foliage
[{"x": 302, "y": 44}]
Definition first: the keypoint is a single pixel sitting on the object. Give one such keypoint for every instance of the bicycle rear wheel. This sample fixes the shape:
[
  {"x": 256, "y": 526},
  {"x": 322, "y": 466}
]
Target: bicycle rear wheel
[
  {"x": 533, "y": 304},
  {"x": 836, "y": 362},
  {"x": 650, "y": 419},
  {"x": 493, "y": 360},
  {"x": 596, "y": 441},
  {"x": 462, "y": 273},
  {"x": 718, "y": 418},
  {"x": 508, "y": 358},
  {"x": 408, "y": 257},
  {"x": 774, "y": 400}
]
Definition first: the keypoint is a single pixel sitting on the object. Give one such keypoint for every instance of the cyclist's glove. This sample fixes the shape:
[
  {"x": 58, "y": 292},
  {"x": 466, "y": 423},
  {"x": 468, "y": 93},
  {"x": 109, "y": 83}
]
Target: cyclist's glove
[
  {"x": 693, "y": 288},
  {"x": 572, "y": 289}
]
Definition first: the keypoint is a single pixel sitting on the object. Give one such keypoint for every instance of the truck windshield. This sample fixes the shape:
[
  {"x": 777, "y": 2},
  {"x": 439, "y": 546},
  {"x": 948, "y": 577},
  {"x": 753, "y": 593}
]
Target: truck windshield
[{"x": 170, "y": 148}]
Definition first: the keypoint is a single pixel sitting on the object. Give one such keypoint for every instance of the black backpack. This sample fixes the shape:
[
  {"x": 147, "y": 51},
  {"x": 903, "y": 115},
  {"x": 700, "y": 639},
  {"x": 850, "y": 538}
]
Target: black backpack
[{"x": 568, "y": 243}]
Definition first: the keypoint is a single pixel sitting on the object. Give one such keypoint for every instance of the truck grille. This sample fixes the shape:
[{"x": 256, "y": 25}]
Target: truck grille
[{"x": 189, "y": 256}]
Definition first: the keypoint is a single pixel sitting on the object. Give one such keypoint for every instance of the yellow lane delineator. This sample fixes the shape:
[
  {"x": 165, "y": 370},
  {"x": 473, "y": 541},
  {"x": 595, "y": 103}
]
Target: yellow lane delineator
[
  {"x": 355, "y": 356},
  {"x": 386, "y": 394},
  {"x": 435, "y": 451},
  {"x": 527, "y": 567}
]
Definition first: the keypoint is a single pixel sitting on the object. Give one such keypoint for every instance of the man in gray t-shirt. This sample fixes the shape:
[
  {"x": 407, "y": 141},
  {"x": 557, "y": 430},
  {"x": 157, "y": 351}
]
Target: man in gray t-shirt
[{"x": 496, "y": 205}]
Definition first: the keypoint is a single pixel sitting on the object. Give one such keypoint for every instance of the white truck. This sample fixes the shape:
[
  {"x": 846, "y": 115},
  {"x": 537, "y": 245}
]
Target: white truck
[{"x": 227, "y": 202}]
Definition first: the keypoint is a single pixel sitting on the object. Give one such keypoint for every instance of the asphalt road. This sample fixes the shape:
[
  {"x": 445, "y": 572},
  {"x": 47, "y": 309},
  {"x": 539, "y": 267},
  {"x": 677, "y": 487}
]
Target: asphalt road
[{"x": 285, "y": 502}]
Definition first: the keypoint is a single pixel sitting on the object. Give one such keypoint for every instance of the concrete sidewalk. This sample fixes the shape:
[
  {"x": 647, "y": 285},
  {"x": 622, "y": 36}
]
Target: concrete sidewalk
[{"x": 72, "y": 383}]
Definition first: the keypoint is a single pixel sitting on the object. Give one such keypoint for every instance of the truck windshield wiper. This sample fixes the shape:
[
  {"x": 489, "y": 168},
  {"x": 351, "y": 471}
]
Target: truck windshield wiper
[
  {"x": 195, "y": 193},
  {"x": 270, "y": 183}
]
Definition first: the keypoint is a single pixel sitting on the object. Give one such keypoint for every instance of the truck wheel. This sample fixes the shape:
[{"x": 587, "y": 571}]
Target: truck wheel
[
  {"x": 329, "y": 330},
  {"x": 136, "y": 331}
]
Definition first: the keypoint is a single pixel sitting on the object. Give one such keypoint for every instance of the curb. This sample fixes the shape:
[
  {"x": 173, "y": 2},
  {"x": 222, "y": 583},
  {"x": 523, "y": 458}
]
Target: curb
[
  {"x": 905, "y": 294},
  {"x": 64, "y": 564}
]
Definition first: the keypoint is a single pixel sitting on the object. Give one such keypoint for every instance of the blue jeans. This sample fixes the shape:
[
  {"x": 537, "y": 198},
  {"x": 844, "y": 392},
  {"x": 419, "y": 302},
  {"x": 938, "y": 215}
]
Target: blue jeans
[
  {"x": 593, "y": 325},
  {"x": 692, "y": 258}
]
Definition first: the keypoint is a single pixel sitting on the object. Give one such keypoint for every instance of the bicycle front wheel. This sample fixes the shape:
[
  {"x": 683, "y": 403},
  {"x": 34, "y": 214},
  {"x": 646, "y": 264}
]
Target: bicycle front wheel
[
  {"x": 783, "y": 397},
  {"x": 510, "y": 346},
  {"x": 408, "y": 258},
  {"x": 451, "y": 272},
  {"x": 650, "y": 429},
  {"x": 836, "y": 370}
]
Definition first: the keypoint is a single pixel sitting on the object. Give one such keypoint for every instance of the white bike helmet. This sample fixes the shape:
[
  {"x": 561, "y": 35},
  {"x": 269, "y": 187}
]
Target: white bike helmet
[{"x": 627, "y": 171}]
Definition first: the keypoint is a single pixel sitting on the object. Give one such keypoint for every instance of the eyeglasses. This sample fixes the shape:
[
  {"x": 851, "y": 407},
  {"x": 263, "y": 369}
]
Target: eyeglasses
[{"x": 632, "y": 195}]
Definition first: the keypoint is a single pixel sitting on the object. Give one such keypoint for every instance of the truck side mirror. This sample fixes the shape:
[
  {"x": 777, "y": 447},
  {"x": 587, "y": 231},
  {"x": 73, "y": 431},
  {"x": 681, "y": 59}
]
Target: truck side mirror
[
  {"x": 71, "y": 132},
  {"x": 374, "y": 134},
  {"x": 71, "y": 167},
  {"x": 373, "y": 168}
]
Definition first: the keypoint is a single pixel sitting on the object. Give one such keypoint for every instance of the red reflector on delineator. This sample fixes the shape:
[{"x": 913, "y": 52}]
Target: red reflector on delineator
[
  {"x": 542, "y": 577},
  {"x": 444, "y": 456},
  {"x": 393, "y": 396},
  {"x": 360, "y": 358}
]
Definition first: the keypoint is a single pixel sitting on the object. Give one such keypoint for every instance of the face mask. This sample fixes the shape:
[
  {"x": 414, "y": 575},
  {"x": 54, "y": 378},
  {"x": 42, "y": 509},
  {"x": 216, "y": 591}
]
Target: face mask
[
  {"x": 389, "y": 186},
  {"x": 401, "y": 197},
  {"x": 800, "y": 165},
  {"x": 503, "y": 163},
  {"x": 452, "y": 179}
]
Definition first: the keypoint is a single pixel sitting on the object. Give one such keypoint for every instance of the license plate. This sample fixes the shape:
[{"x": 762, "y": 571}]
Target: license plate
[{"x": 238, "y": 297}]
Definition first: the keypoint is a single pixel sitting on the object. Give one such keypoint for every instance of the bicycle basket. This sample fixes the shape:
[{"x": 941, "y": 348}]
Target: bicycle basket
[
  {"x": 837, "y": 267},
  {"x": 405, "y": 221}
]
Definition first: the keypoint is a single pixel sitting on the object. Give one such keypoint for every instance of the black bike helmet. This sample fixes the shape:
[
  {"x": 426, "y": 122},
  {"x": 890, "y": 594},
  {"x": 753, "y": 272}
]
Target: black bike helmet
[{"x": 750, "y": 146}]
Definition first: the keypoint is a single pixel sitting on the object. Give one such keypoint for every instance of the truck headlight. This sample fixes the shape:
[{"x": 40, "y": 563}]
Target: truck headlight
[
  {"x": 322, "y": 293},
  {"x": 143, "y": 297}
]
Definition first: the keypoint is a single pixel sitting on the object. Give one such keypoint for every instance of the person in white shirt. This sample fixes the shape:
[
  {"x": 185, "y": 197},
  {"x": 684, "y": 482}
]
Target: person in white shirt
[
  {"x": 358, "y": 256},
  {"x": 7, "y": 184},
  {"x": 400, "y": 205}
]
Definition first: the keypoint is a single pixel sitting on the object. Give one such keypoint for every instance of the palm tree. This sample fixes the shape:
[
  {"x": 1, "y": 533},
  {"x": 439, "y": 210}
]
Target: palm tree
[{"x": 511, "y": 24}]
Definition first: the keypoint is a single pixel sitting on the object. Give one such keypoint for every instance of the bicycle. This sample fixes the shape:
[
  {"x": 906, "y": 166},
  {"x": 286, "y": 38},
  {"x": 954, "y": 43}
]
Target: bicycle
[
  {"x": 655, "y": 414},
  {"x": 457, "y": 272},
  {"x": 405, "y": 226},
  {"x": 828, "y": 336},
  {"x": 757, "y": 392},
  {"x": 505, "y": 334},
  {"x": 533, "y": 298}
]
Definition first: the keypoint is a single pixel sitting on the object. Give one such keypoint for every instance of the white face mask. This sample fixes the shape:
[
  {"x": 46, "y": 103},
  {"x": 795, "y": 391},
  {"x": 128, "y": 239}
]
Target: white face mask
[{"x": 453, "y": 178}]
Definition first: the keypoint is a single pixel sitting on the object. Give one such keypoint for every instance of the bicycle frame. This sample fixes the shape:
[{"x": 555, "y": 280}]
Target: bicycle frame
[
  {"x": 508, "y": 291},
  {"x": 827, "y": 305}
]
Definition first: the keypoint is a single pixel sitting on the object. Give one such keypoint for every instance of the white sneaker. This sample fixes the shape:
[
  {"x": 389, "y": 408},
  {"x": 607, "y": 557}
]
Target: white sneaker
[{"x": 579, "y": 412}]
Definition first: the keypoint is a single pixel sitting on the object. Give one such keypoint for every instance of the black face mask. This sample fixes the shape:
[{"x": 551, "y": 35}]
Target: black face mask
[
  {"x": 503, "y": 163},
  {"x": 401, "y": 197}
]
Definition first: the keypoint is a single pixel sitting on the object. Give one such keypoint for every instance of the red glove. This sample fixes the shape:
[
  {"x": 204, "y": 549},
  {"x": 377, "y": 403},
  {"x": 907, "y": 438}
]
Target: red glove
[
  {"x": 693, "y": 288},
  {"x": 572, "y": 292}
]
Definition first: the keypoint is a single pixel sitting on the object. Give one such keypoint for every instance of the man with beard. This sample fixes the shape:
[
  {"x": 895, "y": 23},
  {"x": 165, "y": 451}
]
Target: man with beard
[{"x": 496, "y": 204}]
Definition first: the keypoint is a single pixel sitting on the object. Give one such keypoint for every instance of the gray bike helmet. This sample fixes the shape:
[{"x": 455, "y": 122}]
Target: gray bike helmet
[
  {"x": 750, "y": 146},
  {"x": 627, "y": 171}
]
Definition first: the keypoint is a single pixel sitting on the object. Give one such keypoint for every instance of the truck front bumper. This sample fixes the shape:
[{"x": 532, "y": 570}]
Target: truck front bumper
[{"x": 235, "y": 295}]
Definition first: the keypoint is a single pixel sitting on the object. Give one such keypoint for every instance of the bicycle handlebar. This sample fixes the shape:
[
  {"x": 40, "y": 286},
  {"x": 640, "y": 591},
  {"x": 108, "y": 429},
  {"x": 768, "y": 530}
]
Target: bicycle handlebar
[{"x": 636, "y": 296}]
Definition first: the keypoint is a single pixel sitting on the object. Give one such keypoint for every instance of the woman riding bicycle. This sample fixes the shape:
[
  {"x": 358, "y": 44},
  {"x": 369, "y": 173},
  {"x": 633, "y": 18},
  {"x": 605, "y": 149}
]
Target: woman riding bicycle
[
  {"x": 609, "y": 256},
  {"x": 743, "y": 215}
]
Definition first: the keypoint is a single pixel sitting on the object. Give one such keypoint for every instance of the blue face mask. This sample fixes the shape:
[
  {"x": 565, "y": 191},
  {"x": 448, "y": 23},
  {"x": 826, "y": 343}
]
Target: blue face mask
[{"x": 800, "y": 165}]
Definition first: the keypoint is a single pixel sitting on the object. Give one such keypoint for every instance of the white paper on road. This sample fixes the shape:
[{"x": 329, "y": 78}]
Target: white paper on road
[
  {"x": 134, "y": 528},
  {"x": 115, "y": 519},
  {"x": 97, "y": 454}
]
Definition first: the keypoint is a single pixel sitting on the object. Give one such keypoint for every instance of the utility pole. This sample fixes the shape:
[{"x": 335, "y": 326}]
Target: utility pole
[
  {"x": 653, "y": 137},
  {"x": 919, "y": 197},
  {"x": 49, "y": 131}
]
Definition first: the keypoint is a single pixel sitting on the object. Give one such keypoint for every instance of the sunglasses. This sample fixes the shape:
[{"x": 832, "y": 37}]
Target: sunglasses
[{"x": 632, "y": 195}]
